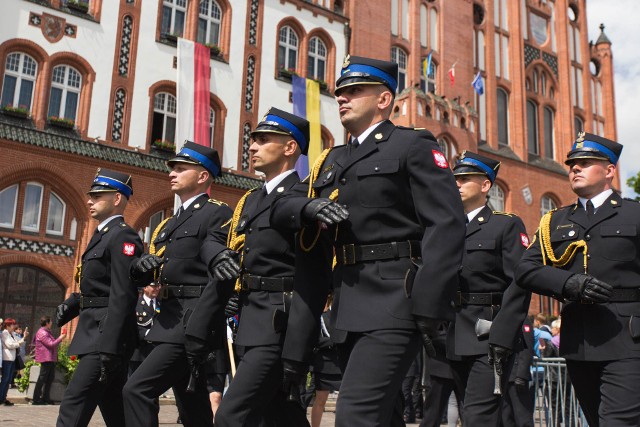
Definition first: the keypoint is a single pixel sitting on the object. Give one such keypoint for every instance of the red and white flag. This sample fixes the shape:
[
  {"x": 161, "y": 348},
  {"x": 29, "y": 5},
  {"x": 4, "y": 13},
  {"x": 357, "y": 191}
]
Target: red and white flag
[
  {"x": 452, "y": 73},
  {"x": 194, "y": 87}
]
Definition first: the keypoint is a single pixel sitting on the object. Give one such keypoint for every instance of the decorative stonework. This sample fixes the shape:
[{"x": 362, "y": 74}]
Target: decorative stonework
[
  {"x": 125, "y": 46},
  {"x": 248, "y": 92},
  {"x": 53, "y": 27},
  {"x": 246, "y": 143},
  {"x": 36, "y": 247},
  {"x": 530, "y": 54},
  {"x": 551, "y": 61},
  {"x": 253, "y": 22},
  {"x": 118, "y": 115}
]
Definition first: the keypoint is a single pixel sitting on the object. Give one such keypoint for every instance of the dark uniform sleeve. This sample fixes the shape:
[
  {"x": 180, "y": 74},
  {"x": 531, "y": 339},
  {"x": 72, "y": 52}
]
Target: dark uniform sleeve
[
  {"x": 524, "y": 357},
  {"x": 515, "y": 301},
  {"x": 286, "y": 210},
  {"x": 216, "y": 241},
  {"x": 439, "y": 210},
  {"x": 533, "y": 275},
  {"x": 123, "y": 293}
]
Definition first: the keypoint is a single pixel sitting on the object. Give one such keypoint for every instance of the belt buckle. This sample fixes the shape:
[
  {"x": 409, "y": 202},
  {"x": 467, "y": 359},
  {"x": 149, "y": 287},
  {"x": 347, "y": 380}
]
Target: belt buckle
[
  {"x": 164, "y": 292},
  {"x": 81, "y": 302},
  {"x": 349, "y": 254}
]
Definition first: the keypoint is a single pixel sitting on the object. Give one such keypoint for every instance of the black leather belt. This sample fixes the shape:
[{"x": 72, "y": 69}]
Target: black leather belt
[
  {"x": 485, "y": 298},
  {"x": 625, "y": 295},
  {"x": 180, "y": 291},
  {"x": 271, "y": 284},
  {"x": 352, "y": 254},
  {"x": 90, "y": 302}
]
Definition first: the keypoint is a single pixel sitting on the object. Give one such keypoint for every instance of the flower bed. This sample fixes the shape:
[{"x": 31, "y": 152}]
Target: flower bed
[
  {"x": 61, "y": 122},
  {"x": 21, "y": 112}
]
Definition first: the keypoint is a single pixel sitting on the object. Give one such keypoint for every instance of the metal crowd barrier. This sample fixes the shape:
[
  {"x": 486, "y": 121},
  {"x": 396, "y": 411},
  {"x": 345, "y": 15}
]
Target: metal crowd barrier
[{"x": 556, "y": 404}]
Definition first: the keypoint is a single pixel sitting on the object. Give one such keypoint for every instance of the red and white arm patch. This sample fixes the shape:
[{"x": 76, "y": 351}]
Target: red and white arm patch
[
  {"x": 524, "y": 239},
  {"x": 440, "y": 159},
  {"x": 527, "y": 328},
  {"x": 129, "y": 249}
]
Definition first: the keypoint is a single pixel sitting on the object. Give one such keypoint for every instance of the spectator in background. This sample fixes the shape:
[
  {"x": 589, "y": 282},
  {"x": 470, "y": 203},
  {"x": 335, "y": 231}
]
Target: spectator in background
[
  {"x": 555, "y": 332},
  {"x": 47, "y": 355},
  {"x": 9, "y": 346},
  {"x": 539, "y": 322},
  {"x": 21, "y": 353}
]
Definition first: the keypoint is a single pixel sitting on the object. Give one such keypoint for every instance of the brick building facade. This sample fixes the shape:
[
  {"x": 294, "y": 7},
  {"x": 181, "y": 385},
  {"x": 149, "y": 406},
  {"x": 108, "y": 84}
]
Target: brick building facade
[{"x": 108, "y": 70}]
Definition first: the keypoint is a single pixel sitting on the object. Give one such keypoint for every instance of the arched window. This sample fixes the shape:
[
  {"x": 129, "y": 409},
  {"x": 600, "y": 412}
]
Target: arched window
[
  {"x": 399, "y": 56},
  {"x": 496, "y": 198},
  {"x": 154, "y": 221},
  {"x": 479, "y": 50},
  {"x": 433, "y": 29},
  {"x": 546, "y": 204},
  {"x": 503, "y": 117},
  {"x": 174, "y": 14},
  {"x": 32, "y": 207},
  {"x": 164, "y": 117},
  {"x": 209, "y": 22},
  {"x": 55, "y": 215},
  {"x": 287, "y": 49},
  {"x": 444, "y": 147},
  {"x": 19, "y": 80},
  {"x": 428, "y": 86},
  {"x": 532, "y": 127},
  {"x": 578, "y": 125},
  {"x": 501, "y": 39},
  {"x": 548, "y": 133},
  {"x": 8, "y": 206},
  {"x": 212, "y": 124},
  {"x": 317, "y": 60},
  {"x": 65, "y": 92},
  {"x": 27, "y": 293}
]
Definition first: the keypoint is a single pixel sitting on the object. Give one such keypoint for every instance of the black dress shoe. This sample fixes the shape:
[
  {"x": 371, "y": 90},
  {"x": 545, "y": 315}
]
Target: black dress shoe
[
  {"x": 49, "y": 402},
  {"x": 38, "y": 402},
  {"x": 7, "y": 403}
]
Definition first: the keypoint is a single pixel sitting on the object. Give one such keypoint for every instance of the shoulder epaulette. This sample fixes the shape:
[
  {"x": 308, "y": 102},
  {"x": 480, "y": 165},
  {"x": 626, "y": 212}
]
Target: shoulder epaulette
[
  {"x": 217, "y": 202},
  {"x": 409, "y": 128},
  {"x": 123, "y": 224},
  {"x": 504, "y": 213}
]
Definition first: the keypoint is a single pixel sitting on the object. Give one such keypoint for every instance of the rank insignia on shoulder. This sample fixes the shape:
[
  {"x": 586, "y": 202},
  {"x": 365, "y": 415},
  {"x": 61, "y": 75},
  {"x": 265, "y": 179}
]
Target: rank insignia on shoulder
[
  {"x": 122, "y": 224},
  {"x": 217, "y": 202},
  {"x": 104, "y": 230},
  {"x": 503, "y": 213}
]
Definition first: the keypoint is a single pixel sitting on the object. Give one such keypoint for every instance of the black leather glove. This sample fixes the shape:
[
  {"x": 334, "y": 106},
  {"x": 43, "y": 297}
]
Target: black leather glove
[
  {"x": 225, "y": 265},
  {"x": 68, "y": 310},
  {"x": 233, "y": 305},
  {"x": 498, "y": 356},
  {"x": 145, "y": 263},
  {"x": 521, "y": 384},
  {"x": 294, "y": 375},
  {"x": 582, "y": 287},
  {"x": 428, "y": 329},
  {"x": 325, "y": 211},
  {"x": 196, "y": 350},
  {"x": 109, "y": 365}
]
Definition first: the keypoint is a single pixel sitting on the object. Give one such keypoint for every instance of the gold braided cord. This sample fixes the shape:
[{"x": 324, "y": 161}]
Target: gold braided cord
[
  {"x": 315, "y": 171},
  {"x": 334, "y": 198},
  {"x": 547, "y": 250},
  {"x": 152, "y": 246},
  {"x": 234, "y": 241},
  {"x": 77, "y": 274}
]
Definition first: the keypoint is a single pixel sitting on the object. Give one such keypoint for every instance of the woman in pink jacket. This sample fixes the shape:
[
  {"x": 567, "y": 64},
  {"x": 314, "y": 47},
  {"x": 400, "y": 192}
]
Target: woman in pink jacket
[{"x": 47, "y": 356}]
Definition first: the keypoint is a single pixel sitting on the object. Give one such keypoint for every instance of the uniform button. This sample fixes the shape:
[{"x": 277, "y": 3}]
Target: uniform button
[
  {"x": 324, "y": 181},
  {"x": 247, "y": 249},
  {"x": 185, "y": 232},
  {"x": 249, "y": 230},
  {"x": 587, "y": 237},
  {"x": 343, "y": 181},
  {"x": 346, "y": 206},
  {"x": 479, "y": 245},
  {"x": 617, "y": 231},
  {"x": 588, "y": 256},
  {"x": 377, "y": 169},
  {"x": 293, "y": 218},
  {"x": 169, "y": 240}
]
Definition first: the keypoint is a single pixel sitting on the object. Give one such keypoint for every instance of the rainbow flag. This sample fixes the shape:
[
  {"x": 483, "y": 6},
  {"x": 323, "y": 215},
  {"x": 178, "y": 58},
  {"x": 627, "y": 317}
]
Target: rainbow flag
[{"x": 306, "y": 103}]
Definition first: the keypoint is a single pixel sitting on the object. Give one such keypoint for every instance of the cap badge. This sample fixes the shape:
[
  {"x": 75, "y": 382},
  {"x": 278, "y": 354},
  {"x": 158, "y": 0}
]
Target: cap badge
[
  {"x": 98, "y": 172},
  {"x": 580, "y": 140},
  {"x": 464, "y": 153},
  {"x": 347, "y": 61},
  {"x": 378, "y": 136}
]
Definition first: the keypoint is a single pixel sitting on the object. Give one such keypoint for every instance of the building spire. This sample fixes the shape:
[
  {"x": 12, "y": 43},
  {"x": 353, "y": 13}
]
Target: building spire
[{"x": 603, "y": 37}]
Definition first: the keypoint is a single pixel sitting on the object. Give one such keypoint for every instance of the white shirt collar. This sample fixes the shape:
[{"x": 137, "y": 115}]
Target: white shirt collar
[
  {"x": 106, "y": 221},
  {"x": 271, "y": 185},
  {"x": 597, "y": 200},
  {"x": 471, "y": 215},
  {"x": 186, "y": 204},
  {"x": 147, "y": 300},
  {"x": 363, "y": 136}
]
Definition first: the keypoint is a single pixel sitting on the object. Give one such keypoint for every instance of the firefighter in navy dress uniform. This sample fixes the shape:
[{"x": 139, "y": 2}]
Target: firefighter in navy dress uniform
[
  {"x": 181, "y": 251},
  {"x": 106, "y": 333},
  {"x": 495, "y": 242},
  {"x": 587, "y": 255},
  {"x": 146, "y": 309},
  {"x": 397, "y": 254},
  {"x": 266, "y": 284}
]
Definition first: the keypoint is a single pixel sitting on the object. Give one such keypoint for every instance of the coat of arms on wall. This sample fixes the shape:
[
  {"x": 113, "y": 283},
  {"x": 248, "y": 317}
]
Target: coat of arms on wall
[{"x": 53, "y": 27}]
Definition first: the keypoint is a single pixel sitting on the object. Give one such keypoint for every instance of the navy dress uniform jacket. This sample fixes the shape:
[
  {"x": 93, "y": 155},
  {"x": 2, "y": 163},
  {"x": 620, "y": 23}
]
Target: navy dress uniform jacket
[
  {"x": 105, "y": 273},
  {"x": 144, "y": 320},
  {"x": 191, "y": 240},
  {"x": 398, "y": 187},
  {"x": 592, "y": 332},
  {"x": 494, "y": 245}
]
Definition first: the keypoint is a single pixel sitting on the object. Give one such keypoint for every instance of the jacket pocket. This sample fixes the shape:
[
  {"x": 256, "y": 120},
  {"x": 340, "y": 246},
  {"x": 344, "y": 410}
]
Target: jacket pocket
[
  {"x": 619, "y": 242},
  {"x": 377, "y": 183},
  {"x": 94, "y": 265},
  {"x": 187, "y": 243},
  {"x": 480, "y": 255}
]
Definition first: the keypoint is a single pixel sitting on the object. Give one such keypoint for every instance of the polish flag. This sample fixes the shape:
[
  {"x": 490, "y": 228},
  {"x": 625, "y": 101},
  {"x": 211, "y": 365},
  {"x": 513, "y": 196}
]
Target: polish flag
[
  {"x": 193, "y": 93},
  {"x": 452, "y": 74}
]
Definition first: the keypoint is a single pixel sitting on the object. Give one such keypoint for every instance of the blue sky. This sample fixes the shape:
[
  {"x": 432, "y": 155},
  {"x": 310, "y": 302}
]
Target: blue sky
[{"x": 620, "y": 18}]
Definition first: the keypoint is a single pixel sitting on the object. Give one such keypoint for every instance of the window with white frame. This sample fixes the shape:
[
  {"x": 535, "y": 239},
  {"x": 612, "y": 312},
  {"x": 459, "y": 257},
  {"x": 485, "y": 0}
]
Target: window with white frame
[
  {"x": 496, "y": 198},
  {"x": 65, "y": 92},
  {"x": 399, "y": 56},
  {"x": 212, "y": 124},
  {"x": 19, "y": 80},
  {"x": 164, "y": 117},
  {"x": 546, "y": 204},
  {"x": 428, "y": 85},
  {"x": 503, "y": 117},
  {"x": 317, "y": 60},
  {"x": 209, "y": 23},
  {"x": 55, "y": 215},
  {"x": 174, "y": 14},
  {"x": 8, "y": 202},
  {"x": 32, "y": 207},
  {"x": 287, "y": 49}
]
